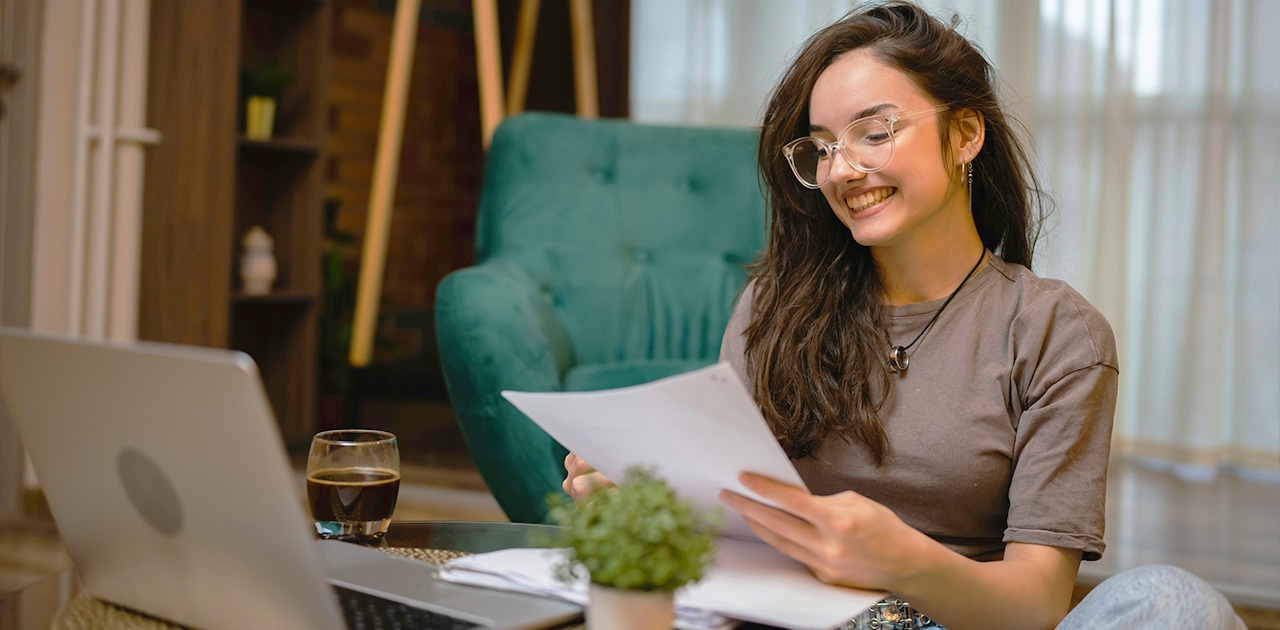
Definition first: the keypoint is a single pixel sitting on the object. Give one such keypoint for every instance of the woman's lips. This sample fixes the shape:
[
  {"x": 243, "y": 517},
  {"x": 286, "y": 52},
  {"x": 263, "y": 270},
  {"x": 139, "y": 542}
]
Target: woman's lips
[{"x": 869, "y": 201}]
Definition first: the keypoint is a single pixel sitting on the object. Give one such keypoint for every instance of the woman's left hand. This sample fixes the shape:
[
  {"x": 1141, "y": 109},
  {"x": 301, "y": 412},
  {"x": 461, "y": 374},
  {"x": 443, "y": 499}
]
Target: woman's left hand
[{"x": 845, "y": 539}]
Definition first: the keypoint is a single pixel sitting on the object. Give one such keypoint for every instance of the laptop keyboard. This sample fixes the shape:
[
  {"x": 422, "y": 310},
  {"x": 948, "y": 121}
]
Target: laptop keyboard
[{"x": 369, "y": 612}]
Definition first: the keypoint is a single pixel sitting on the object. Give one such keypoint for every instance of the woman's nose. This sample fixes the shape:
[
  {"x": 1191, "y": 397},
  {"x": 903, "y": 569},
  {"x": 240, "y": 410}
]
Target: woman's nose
[{"x": 843, "y": 170}]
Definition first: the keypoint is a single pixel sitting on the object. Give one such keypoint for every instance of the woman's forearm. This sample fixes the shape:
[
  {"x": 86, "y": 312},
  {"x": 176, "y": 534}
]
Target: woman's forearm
[{"x": 1029, "y": 589}]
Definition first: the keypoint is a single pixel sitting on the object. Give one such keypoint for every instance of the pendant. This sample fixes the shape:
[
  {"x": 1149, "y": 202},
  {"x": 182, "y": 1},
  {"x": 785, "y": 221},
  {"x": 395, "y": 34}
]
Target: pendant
[{"x": 898, "y": 359}]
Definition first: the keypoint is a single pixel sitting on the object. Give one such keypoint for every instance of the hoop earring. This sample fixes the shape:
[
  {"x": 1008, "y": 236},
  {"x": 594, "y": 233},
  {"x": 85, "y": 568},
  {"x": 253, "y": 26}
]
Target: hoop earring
[{"x": 970, "y": 169}]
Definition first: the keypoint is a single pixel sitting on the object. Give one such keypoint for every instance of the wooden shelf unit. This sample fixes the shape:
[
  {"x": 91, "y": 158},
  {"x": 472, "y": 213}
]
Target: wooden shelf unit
[
  {"x": 207, "y": 184},
  {"x": 280, "y": 147},
  {"x": 283, "y": 298}
]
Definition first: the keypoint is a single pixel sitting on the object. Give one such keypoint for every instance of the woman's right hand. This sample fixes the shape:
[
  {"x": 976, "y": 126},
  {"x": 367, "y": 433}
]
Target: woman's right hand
[{"x": 581, "y": 479}]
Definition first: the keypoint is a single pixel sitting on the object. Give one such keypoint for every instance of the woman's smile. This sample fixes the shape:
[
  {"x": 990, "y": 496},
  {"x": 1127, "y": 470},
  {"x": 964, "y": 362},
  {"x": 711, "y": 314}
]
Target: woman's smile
[{"x": 867, "y": 202}]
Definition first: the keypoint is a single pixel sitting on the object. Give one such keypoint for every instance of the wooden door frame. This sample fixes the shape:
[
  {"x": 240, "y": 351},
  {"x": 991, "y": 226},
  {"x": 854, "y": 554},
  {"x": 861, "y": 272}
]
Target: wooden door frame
[{"x": 20, "y": 31}]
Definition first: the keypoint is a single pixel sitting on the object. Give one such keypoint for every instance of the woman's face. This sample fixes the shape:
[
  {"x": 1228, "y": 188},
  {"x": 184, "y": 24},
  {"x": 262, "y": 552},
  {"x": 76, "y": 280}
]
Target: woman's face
[{"x": 911, "y": 198}]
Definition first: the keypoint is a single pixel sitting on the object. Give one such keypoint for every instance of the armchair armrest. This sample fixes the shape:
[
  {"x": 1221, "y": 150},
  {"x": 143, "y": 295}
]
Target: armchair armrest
[{"x": 496, "y": 331}]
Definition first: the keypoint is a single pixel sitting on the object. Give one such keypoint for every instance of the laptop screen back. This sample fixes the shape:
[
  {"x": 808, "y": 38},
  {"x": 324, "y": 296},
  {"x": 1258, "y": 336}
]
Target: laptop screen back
[{"x": 166, "y": 474}]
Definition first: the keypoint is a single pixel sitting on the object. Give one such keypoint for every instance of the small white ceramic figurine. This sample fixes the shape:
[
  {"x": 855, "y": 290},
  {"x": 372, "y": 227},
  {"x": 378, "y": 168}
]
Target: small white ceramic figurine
[{"x": 258, "y": 263}]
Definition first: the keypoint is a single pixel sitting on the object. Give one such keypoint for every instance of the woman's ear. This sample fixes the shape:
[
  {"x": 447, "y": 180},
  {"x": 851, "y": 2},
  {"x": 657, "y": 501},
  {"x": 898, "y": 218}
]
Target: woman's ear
[{"x": 967, "y": 132}]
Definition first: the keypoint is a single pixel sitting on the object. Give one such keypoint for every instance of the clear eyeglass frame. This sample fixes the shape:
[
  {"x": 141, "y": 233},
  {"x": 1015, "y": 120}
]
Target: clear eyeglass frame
[{"x": 843, "y": 144}]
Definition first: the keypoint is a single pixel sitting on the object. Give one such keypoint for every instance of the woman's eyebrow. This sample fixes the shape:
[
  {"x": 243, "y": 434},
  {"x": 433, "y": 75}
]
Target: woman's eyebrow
[
  {"x": 871, "y": 111},
  {"x": 863, "y": 113}
]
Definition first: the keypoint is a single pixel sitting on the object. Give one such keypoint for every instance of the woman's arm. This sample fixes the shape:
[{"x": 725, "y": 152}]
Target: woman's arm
[
  {"x": 850, "y": 540},
  {"x": 1030, "y": 588}
]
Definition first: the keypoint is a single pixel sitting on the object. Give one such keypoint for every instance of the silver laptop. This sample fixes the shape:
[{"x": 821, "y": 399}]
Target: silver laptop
[{"x": 167, "y": 477}]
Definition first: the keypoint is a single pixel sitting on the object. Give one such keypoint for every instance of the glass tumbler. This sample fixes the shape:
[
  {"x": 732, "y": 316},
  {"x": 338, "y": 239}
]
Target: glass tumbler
[{"x": 353, "y": 477}]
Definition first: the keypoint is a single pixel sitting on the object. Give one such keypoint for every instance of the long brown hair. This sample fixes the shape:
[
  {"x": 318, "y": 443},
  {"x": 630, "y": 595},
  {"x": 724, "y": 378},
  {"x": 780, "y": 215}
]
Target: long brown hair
[{"x": 815, "y": 344}]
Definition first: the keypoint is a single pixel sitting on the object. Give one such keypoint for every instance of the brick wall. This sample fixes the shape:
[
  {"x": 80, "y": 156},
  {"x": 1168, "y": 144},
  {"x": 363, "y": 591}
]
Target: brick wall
[
  {"x": 441, "y": 161},
  {"x": 433, "y": 221}
]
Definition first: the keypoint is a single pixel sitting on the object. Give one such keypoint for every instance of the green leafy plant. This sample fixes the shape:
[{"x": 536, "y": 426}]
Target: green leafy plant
[
  {"x": 270, "y": 80},
  {"x": 639, "y": 535}
]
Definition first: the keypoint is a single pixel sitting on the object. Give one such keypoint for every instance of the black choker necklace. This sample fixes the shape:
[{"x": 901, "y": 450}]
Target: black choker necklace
[{"x": 898, "y": 354}]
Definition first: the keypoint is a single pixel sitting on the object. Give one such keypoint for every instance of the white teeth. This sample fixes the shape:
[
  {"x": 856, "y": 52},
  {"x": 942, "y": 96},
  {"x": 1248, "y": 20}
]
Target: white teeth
[{"x": 866, "y": 200}]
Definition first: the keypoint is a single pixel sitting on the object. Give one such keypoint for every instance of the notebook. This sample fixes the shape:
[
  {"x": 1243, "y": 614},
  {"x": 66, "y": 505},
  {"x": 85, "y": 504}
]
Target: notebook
[{"x": 167, "y": 476}]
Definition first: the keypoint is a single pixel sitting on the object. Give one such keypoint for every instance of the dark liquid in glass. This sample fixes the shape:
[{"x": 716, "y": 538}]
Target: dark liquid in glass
[{"x": 353, "y": 495}]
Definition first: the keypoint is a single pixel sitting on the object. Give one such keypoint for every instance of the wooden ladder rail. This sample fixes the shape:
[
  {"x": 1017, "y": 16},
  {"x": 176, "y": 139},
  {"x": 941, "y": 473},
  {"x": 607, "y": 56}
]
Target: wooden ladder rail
[{"x": 391, "y": 129}]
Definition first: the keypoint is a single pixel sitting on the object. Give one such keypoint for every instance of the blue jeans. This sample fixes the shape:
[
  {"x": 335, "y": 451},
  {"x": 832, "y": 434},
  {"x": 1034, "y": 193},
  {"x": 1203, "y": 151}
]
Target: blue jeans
[{"x": 1155, "y": 597}]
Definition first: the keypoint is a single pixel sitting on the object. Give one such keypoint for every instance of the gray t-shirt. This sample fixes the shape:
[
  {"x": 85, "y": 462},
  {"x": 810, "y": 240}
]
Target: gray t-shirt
[{"x": 999, "y": 430}]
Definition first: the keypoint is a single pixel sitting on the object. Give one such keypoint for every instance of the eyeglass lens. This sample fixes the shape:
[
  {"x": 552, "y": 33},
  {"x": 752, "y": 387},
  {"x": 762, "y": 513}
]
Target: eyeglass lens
[{"x": 867, "y": 146}]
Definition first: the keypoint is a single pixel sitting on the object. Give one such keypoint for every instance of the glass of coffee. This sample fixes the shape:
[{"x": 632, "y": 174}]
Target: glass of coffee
[{"x": 353, "y": 476}]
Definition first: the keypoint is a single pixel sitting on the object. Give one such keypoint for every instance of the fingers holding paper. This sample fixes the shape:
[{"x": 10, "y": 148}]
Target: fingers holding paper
[
  {"x": 845, "y": 538},
  {"x": 580, "y": 479}
]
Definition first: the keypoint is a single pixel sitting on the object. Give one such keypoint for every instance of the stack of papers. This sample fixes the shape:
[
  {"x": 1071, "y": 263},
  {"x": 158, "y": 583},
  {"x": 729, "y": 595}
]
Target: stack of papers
[
  {"x": 532, "y": 571},
  {"x": 698, "y": 431},
  {"x": 749, "y": 581}
]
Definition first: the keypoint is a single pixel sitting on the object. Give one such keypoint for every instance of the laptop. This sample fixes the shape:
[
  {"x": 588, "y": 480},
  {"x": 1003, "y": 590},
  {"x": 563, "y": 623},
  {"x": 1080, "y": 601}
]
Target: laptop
[{"x": 165, "y": 471}]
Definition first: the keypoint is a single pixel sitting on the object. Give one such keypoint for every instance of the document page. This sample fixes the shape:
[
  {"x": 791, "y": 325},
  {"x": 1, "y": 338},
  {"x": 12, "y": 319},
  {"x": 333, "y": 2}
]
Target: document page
[
  {"x": 750, "y": 581},
  {"x": 698, "y": 430}
]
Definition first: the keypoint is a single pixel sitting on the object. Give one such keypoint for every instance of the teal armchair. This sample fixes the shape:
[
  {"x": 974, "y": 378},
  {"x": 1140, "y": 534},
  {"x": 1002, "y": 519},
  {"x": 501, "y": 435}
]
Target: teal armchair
[{"x": 607, "y": 254}]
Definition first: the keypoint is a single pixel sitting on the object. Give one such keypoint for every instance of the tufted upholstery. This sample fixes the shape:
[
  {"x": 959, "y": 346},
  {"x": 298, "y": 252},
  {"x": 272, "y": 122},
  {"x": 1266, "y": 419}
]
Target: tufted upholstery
[{"x": 608, "y": 254}]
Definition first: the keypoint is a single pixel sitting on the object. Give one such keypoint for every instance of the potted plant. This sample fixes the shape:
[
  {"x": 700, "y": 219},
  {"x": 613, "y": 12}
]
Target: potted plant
[
  {"x": 261, "y": 89},
  {"x": 638, "y": 542}
]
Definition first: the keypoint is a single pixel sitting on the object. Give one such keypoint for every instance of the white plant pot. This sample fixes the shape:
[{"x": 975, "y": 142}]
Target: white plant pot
[{"x": 620, "y": 609}]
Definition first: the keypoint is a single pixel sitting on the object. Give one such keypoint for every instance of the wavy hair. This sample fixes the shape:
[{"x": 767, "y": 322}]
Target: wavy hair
[{"x": 815, "y": 344}]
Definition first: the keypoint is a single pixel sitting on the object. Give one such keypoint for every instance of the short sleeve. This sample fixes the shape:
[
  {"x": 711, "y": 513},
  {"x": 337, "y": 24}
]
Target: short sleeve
[
  {"x": 1057, "y": 495},
  {"x": 733, "y": 348}
]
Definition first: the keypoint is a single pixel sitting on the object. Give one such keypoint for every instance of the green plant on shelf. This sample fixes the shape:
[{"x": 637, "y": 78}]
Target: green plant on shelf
[
  {"x": 638, "y": 535},
  {"x": 260, "y": 89},
  {"x": 269, "y": 80}
]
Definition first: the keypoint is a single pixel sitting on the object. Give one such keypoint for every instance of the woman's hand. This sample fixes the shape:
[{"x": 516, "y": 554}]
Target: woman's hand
[
  {"x": 850, "y": 540},
  {"x": 581, "y": 479},
  {"x": 845, "y": 539}
]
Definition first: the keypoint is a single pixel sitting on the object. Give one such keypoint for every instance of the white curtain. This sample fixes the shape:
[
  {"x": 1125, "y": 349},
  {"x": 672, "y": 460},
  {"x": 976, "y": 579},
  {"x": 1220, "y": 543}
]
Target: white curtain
[
  {"x": 712, "y": 62},
  {"x": 1157, "y": 126}
]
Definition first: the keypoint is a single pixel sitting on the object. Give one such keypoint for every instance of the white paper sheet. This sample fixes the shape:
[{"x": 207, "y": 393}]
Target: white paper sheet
[
  {"x": 698, "y": 430},
  {"x": 752, "y": 581},
  {"x": 531, "y": 571},
  {"x": 749, "y": 581}
]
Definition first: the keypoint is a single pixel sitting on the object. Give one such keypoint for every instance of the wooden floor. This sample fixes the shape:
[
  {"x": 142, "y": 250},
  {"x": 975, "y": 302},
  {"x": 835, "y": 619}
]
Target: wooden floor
[{"x": 1227, "y": 531}]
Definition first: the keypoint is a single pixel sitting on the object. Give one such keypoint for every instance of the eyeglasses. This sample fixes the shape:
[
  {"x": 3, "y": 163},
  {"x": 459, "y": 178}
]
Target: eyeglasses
[{"x": 866, "y": 144}]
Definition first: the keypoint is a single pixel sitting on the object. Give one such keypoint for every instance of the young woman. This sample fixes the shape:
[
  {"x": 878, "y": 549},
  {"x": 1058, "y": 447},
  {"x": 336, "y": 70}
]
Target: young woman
[{"x": 949, "y": 410}]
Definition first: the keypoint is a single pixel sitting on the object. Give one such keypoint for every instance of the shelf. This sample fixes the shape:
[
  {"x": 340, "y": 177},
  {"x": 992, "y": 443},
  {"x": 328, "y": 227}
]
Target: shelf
[
  {"x": 281, "y": 298},
  {"x": 214, "y": 183},
  {"x": 276, "y": 5},
  {"x": 279, "y": 146}
]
